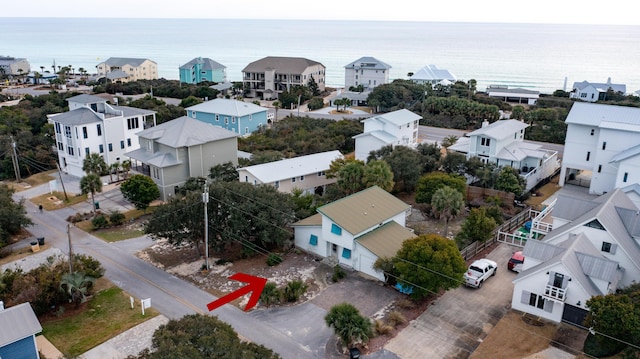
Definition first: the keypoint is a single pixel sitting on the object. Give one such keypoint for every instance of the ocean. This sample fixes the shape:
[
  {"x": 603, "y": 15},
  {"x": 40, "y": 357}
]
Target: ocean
[{"x": 539, "y": 57}]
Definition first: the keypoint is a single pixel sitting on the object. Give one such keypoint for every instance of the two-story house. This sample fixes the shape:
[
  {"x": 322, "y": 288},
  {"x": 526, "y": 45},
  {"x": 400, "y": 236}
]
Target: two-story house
[
  {"x": 12, "y": 66},
  {"x": 502, "y": 143},
  {"x": 356, "y": 230},
  {"x": 124, "y": 69},
  {"x": 240, "y": 117},
  {"x": 432, "y": 75},
  {"x": 268, "y": 77},
  {"x": 177, "y": 150},
  {"x": 602, "y": 147},
  {"x": 397, "y": 128},
  {"x": 93, "y": 126},
  {"x": 366, "y": 71},
  {"x": 306, "y": 173},
  {"x": 202, "y": 69},
  {"x": 595, "y": 91},
  {"x": 592, "y": 249}
]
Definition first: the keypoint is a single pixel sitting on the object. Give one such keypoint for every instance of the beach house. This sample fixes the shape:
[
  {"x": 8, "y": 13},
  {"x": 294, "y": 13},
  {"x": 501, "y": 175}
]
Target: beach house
[
  {"x": 240, "y": 117},
  {"x": 432, "y": 75},
  {"x": 366, "y": 71},
  {"x": 397, "y": 128},
  {"x": 270, "y": 76},
  {"x": 595, "y": 91},
  {"x": 125, "y": 69},
  {"x": 202, "y": 69}
]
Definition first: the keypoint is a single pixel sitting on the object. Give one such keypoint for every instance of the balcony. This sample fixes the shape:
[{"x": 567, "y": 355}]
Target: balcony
[{"x": 555, "y": 293}]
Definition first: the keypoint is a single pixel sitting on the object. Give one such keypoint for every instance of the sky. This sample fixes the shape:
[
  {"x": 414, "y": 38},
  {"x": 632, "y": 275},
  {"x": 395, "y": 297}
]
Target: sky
[{"x": 510, "y": 11}]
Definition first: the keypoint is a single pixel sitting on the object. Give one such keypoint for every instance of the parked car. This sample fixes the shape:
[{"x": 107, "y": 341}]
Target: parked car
[
  {"x": 479, "y": 271},
  {"x": 515, "y": 262}
]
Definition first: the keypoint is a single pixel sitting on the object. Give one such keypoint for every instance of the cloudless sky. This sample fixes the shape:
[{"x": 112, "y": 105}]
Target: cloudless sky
[{"x": 539, "y": 11}]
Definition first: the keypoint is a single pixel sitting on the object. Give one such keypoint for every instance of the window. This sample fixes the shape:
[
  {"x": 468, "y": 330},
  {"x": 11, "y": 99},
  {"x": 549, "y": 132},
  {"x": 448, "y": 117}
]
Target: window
[
  {"x": 588, "y": 155},
  {"x": 193, "y": 114},
  {"x": 558, "y": 280},
  {"x": 84, "y": 132},
  {"x": 217, "y": 118},
  {"x": 86, "y": 151},
  {"x": 226, "y": 120},
  {"x": 320, "y": 174},
  {"x": 301, "y": 178},
  {"x": 58, "y": 130},
  {"x": 537, "y": 301},
  {"x": 246, "y": 130},
  {"x": 110, "y": 147},
  {"x": 233, "y": 119},
  {"x": 486, "y": 141},
  {"x": 313, "y": 240},
  {"x": 594, "y": 224},
  {"x": 293, "y": 180},
  {"x": 122, "y": 144},
  {"x": 277, "y": 184},
  {"x": 99, "y": 129},
  {"x": 604, "y": 145},
  {"x": 60, "y": 146},
  {"x": 70, "y": 150},
  {"x": 101, "y": 148},
  {"x": 599, "y": 168},
  {"x": 346, "y": 253},
  {"x": 132, "y": 123},
  {"x": 335, "y": 229},
  {"x": 593, "y": 131},
  {"x": 625, "y": 177},
  {"x": 67, "y": 131},
  {"x": 609, "y": 247},
  {"x": 128, "y": 142}
]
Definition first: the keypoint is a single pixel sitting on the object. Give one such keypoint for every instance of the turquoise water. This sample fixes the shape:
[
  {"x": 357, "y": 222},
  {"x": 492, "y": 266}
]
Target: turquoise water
[{"x": 534, "y": 56}]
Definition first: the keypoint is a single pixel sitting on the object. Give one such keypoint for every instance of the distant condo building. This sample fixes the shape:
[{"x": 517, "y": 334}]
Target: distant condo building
[
  {"x": 366, "y": 71},
  {"x": 123, "y": 69},
  {"x": 203, "y": 69},
  {"x": 11, "y": 66},
  {"x": 270, "y": 76}
]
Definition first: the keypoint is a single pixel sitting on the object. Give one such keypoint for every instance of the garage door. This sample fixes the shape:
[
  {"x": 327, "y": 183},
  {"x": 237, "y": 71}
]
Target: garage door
[
  {"x": 366, "y": 265},
  {"x": 574, "y": 315}
]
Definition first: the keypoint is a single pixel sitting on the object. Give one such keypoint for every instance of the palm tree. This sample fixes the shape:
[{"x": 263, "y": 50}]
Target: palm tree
[
  {"x": 276, "y": 105},
  {"x": 94, "y": 163},
  {"x": 447, "y": 203},
  {"x": 77, "y": 286},
  {"x": 126, "y": 167},
  {"x": 91, "y": 183}
]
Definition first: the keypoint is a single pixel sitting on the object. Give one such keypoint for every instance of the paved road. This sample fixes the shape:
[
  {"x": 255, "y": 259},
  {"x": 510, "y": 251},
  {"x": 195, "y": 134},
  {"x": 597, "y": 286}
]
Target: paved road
[{"x": 455, "y": 324}]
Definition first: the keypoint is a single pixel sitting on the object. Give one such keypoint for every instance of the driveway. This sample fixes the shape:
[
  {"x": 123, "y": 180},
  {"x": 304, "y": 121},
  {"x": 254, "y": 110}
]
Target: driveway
[{"x": 455, "y": 324}]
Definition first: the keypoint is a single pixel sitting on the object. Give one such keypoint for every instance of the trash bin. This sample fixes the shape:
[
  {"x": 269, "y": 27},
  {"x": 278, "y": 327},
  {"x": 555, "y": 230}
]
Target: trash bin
[
  {"x": 35, "y": 247},
  {"x": 41, "y": 241},
  {"x": 354, "y": 353},
  {"x": 96, "y": 205}
]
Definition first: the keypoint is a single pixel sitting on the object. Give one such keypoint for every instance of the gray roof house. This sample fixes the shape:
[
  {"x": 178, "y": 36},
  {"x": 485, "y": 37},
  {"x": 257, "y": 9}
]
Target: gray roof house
[
  {"x": 177, "y": 150},
  {"x": 518, "y": 95},
  {"x": 431, "y": 74},
  {"x": 18, "y": 332},
  {"x": 592, "y": 249},
  {"x": 134, "y": 69},
  {"x": 595, "y": 91},
  {"x": 270, "y": 76},
  {"x": 366, "y": 71}
]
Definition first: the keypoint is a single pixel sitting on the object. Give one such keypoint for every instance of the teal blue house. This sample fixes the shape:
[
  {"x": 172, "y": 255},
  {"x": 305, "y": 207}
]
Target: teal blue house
[
  {"x": 202, "y": 69},
  {"x": 18, "y": 328},
  {"x": 240, "y": 117}
]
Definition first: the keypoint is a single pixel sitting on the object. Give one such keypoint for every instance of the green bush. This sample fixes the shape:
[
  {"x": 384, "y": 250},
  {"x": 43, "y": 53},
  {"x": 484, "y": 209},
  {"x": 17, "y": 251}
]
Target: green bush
[
  {"x": 270, "y": 294},
  {"x": 87, "y": 265},
  {"x": 294, "y": 290},
  {"x": 116, "y": 218},
  {"x": 100, "y": 221},
  {"x": 273, "y": 260},
  {"x": 338, "y": 273},
  {"x": 599, "y": 346}
]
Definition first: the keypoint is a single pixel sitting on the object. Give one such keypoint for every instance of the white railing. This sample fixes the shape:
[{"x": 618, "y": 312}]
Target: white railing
[
  {"x": 515, "y": 239},
  {"x": 537, "y": 224},
  {"x": 555, "y": 293}
]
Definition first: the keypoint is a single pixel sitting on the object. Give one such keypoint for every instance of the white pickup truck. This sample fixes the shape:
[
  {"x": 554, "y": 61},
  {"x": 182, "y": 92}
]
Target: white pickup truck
[{"x": 479, "y": 271}]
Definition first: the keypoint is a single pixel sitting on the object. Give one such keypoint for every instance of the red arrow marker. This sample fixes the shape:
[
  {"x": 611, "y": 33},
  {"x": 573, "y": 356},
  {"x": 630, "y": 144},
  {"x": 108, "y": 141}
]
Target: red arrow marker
[{"x": 255, "y": 285}]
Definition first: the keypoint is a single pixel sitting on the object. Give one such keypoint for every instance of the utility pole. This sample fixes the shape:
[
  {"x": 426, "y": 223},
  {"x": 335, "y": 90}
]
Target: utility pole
[
  {"x": 70, "y": 251},
  {"x": 14, "y": 158},
  {"x": 205, "y": 200},
  {"x": 62, "y": 183}
]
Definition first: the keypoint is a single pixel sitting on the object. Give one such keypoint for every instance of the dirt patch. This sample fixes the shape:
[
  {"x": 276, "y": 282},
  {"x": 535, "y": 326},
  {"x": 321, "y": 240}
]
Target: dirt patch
[{"x": 518, "y": 336}]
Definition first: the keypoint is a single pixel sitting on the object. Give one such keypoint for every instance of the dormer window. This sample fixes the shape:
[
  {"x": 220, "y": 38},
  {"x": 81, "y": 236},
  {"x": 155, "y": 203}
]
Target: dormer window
[{"x": 595, "y": 224}]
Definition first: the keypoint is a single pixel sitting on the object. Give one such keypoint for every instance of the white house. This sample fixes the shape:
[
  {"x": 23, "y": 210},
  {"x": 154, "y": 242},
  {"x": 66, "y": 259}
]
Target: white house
[
  {"x": 594, "y": 91},
  {"x": 306, "y": 173},
  {"x": 518, "y": 95},
  {"x": 431, "y": 74},
  {"x": 602, "y": 147},
  {"x": 502, "y": 143},
  {"x": 366, "y": 71},
  {"x": 397, "y": 128},
  {"x": 593, "y": 249},
  {"x": 356, "y": 230},
  {"x": 93, "y": 126},
  {"x": 177, "y": 150}
]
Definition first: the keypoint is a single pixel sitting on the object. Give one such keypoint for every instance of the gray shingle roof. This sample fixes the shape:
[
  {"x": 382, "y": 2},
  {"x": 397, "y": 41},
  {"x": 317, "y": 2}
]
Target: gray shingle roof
[
  {"x": 133, "y": 111},
  {"x": 185, "y": 132},
  {"x": 293, "y": 167},
  {"x": 368, "y": 62},
  {"x": 122, "y": 61},
  {"x": 364, "y": 209},
  {"x": 79, "y": 116},
  {"x": 86, "y": 99},
  {"x": 397, "y": 118},
  {"x": 207, "y": 64},
  {"x": 223, "y": 106},
  {"x": 290, "y": 65},
  {"x": 500, "y": 129},
  {"x": 18, "y": 322},
  {"x": 601, "y": 86}
]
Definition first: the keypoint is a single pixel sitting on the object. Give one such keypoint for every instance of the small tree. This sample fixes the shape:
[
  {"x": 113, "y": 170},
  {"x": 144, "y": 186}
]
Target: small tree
[
  {"x": 140, "y": 190},
  {"x": 447, "y": 203},
  {"x": 509, "y": 180},
  {"x": 94, "y": 163},
  {"x": 77, "y": 286},
  {"x": 431, "y": 182},
  {"x": 477, "y": 227},
  {"x": 91, "y": 183},
  {"x": 348, "y": 324}
]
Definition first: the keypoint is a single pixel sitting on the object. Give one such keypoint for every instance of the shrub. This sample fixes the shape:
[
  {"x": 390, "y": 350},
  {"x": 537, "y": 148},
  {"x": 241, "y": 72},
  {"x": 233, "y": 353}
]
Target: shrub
[
  {"x": 293, "y": 290},
  {"x": 395, "y": 317},
  {"x": 405, "y": 303},
  {"x": 100, "y": 221},
  {"x": 273, "y": 260},
  {"x": 116, "y": 218},
  {"x": 381, "y": 328},
  {"x": 88, "y": 265},
  {"x": 338, "y": 273},
  {"x": 270, "y": 294}
]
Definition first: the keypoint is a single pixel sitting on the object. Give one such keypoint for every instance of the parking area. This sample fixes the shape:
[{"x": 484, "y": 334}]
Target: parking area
[{"x": 455, "y": 324}]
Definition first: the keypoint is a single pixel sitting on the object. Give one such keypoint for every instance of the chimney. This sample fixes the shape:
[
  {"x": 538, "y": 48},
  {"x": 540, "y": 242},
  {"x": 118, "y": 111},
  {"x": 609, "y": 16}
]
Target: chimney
[{"x": 485, "y": 123}]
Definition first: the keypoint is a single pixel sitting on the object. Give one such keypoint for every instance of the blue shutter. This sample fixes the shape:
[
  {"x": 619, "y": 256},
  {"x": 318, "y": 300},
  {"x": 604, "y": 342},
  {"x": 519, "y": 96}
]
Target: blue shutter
[
  {"x": 346, "y": 253},
  {"x": 313, "y": 240},
  {"x": 335, "y": 229}
]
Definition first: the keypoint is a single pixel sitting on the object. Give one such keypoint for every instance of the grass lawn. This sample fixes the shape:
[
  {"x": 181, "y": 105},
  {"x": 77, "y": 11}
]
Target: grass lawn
[
  {"x": 35, "y": 180},
  {"x": 106, "y": 315},
  {"x": 130, "y": 229},
  {"x": 57, "y": 200}
]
